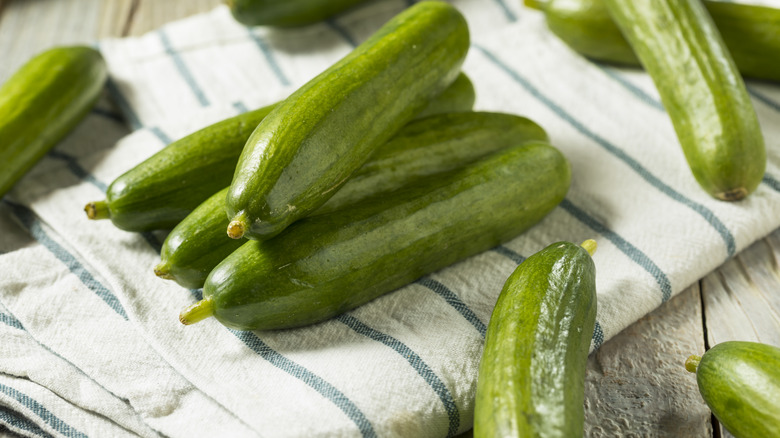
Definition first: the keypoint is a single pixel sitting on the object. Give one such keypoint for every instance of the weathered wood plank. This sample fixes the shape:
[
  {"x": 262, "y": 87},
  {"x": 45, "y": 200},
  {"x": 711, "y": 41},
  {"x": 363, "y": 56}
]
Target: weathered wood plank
[
  {"x": 152, "y": 14},
  {"x": 29, "y": 27},
  {"x": 637, "y": 385}
]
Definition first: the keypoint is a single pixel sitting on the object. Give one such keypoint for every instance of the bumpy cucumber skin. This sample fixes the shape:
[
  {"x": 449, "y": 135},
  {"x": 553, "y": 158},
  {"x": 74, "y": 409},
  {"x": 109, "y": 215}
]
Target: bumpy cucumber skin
[
  {"x": 166, "y": 187},
  {"x": 701, "y": 89},
  {"x": 43, "y": 101},
  {"x": 162, "y": 190},
  {"x": 740, "y": 382},
  {"x": 309, "y": 145},
  {"x": 327, "y": 264},
  {"x": 750, "y": 32},
  {"x": 286, "y": 13},
  {"x": 532, "y": 374},
  {"x": 431, "y": 145}
]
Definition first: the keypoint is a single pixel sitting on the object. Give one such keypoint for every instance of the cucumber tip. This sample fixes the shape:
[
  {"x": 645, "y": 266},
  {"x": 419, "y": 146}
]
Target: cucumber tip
[
  {"x": 236, "y": 229},
  {"x": 732, "y": 195},
  {"x": 590, "y": 245},
  {"x": 197, "y": 312},
  {"x": 692, "y": 363},
  {"x": 162, "y": 270},
  {"x": 97, "y": 210}
]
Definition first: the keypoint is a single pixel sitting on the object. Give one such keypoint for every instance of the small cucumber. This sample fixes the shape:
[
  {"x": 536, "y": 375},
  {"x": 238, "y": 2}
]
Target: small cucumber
[
  {"x": 431, "y": 145},
  {"x": 532, "y": 375},
  {"x": 327, "y": 264},
  {"x": 701, "y": 89},
  {"x": 42, "y": 102},
  {"x": 162, "y": 190},
  {"x": 307, "y": 147},
  {"x": 740, "y": 382},
  {"x": 751, "y": 33},
  {"x": 285, "y": 13}
]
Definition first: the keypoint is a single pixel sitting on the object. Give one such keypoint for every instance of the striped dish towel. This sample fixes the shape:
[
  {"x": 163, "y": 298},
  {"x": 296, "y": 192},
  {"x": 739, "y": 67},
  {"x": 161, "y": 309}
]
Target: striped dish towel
[{"x": 90, "y": 343}]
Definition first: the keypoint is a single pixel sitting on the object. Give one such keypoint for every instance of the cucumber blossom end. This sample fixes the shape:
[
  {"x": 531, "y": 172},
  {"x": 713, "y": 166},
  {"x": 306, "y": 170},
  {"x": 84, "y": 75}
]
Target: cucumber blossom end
[
  {"x": 732, "y": 195},
  {"x": 590, "y": 245},
  {"x": 97, "y": 210},
  {"x": 197, "y": 312},
  {"x": 237, "y": 227},
  {"x": 692, "y": 363}
]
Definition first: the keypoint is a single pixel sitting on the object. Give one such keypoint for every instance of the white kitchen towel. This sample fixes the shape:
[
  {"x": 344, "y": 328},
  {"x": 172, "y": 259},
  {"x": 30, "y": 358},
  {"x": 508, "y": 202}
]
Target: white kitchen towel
[{"x": 405, "y": 364}]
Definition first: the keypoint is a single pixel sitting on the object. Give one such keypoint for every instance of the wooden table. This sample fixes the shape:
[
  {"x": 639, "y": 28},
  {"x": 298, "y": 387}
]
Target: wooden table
[{"x": 636, "y": 383}]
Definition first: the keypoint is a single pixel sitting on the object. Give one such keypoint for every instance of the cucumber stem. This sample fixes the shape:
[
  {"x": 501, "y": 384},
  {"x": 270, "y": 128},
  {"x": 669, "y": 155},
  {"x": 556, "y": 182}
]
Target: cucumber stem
[
  {"x": 536, "y": 4},
  {"x": 97, "y": 210},
  {"x": 197, "y": 312},
  {"x": 692, "y": 363},
  {"x": 163, "y": 270},
  {"x": 590, "y": 245},
  {"x": 237, "y": 227}
]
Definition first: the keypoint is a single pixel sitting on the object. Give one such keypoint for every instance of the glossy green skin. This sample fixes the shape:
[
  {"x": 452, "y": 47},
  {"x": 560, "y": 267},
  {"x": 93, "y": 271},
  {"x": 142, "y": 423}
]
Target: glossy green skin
[
  {"x": 286, "y": 13},
  {"x": 431, "y": 145},
  {"x": 42, "y": 102},
  {"x": 532, "y": 374},
  {"x": 328, "y": 264},
  {"x": 166, "y": 187},
  {"x": 750, "y": 32},
  {"x": 162, "y": 190},
  {"x": 740, "y": 382},
  {"x": 701, "y": 89},
  {"x": 308, "y": 146}
]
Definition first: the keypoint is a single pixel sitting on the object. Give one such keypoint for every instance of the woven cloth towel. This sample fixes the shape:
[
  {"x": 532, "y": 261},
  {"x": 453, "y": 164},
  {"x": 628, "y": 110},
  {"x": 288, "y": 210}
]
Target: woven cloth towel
[{"x": 90, "y": 343}]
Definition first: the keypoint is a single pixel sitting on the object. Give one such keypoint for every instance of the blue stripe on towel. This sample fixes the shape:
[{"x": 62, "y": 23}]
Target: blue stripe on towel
[
  {"x": 43, "y": 413},
  {"x": 108, "y": 115},
  {"x": 416, "y": 362},
  {"x": 76, "y": 169},
  {"x": 162, "y": 136},
  {"x": 10, "y": 321},
  {"x": 20, "y": 423},
  {"x": 342, "y": 31},
  {"x": 653, "y": 180},
  {"x": 120, "y": 101},
  {"x": 316, "y": 382},
  {"x": 510, "y": 16},
  {"x": 624, "y": 246},
  {"x": 269, "y": 57},
  {"x": 181, "y": 66},
  {"x": 636, "y": 91},
  {"x": 27, "y": 218},
  {"x": 772, "y": 182},
  {"x": 598, "y": 336},
  {"x": 240, "y": 107},
  {"x": 454, "y": 301},
  {"x": 508, "y": 253},
  {"x": 764, "y": 99}
]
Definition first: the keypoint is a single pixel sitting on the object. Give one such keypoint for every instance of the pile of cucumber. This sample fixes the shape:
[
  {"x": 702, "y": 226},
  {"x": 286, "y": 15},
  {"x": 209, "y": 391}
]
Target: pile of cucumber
[{"x": 377, "y": 172}]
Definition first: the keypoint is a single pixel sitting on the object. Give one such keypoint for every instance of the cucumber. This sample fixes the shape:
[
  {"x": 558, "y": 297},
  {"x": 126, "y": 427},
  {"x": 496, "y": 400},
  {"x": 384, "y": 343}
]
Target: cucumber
[
  {"x": 162, "y": 190},
  {"x": 42, "y": 102},
  {"x": 740, "y": 382},
  {"x": 701, "y": 89},
  {"x": 327, "y": 264},
  {"x": 531, "y": 379},
  {"x": 751, "y": 33},
  {"x": 431, "y": 145},
  {"x": 307, "y": 147},
  {"x": 286, "y": 13}
]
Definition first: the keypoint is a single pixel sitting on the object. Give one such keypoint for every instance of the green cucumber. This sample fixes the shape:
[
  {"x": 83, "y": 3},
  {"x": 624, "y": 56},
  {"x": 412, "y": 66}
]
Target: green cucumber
[
  {"x": 531, "y": 379},
  {"x": 701, "y": 89},
  {"x": 740, "y": 382},
  {"x": 327, "y": 264},
  {"x": 308, "y": 146},
  {"x": 431, "y": 145},
  {"x": 286, "y": 13},
  {"x": 751, "y": 33},
  {"x": 42, "y": 102},
  {"x": 162, "y": 190}
]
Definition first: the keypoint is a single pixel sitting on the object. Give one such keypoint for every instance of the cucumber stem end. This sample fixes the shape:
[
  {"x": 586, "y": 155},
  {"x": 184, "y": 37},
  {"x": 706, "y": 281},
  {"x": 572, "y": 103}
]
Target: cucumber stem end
[
  {"x": 197, "y": 312},
  {"x": 590, "y": 245},
  {"x": 692, "y": 363},
  {"x": 97, "y": 210},
  {"x": 536, "y": 4},
  {"x": 163, "y": 270}
]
